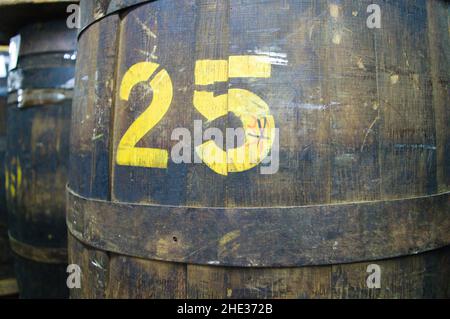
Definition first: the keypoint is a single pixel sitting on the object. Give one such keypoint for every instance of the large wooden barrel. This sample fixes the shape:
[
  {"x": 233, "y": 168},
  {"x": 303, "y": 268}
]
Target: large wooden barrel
[
  {"x": 8, "y": 284},
  {"x": 40, "y": 89},
  {"x": 358, "y": 204}
]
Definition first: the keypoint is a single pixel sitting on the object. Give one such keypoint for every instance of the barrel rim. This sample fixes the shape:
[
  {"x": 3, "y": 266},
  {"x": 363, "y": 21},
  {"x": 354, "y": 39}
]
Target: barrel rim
[
  {"x": 113, "y": 7},
  {"x": 263, "y": 237}
]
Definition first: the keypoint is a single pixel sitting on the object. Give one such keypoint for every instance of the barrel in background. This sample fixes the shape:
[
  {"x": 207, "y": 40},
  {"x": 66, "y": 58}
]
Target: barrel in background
[
  {"x": 14, "y": 14},
  {"x": 364, "y": 142},
  {"x": 8, "y": 284},
  {"x": 40, "y": 87}
]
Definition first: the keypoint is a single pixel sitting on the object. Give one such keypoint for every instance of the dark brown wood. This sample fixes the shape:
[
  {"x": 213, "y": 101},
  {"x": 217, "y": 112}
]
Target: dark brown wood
[
  {"x": 363, "y": 122},
  {"x": 108, "y": 276},
  {"x": 93, "y": 11},
  {"x": 39, "y": 108}
]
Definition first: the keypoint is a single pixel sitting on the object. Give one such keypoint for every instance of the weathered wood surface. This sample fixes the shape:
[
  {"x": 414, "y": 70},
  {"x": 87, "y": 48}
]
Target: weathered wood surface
[
  {"x": 39, "y": 108},
  {"x": 362, "y": 114},
  {"x": 108, "y": 275},
  {"x": 345, "y": 168},
  {"x": 15, "y": 14},
  {"x": 8, "y": 284}
]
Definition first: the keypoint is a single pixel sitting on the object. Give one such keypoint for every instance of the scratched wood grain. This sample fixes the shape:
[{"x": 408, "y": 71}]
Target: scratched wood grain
[
  {"x": 93, "y": 108},
  {"x": 419, "y": 276},
  {"x": 95, "y": 269},
  {"x": 362, "y": 115},
  {"x": 440, "y": 62}
]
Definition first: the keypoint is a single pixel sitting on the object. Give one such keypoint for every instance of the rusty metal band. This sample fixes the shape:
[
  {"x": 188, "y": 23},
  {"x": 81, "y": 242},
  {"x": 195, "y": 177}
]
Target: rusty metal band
[
  {"x": 8, "y": 286},
  {"x": 33, "y": 97},
  {"x": 263, "y": 237},
  {"x": 45, "y": 255},
  {"x": 92, "y": 11}
]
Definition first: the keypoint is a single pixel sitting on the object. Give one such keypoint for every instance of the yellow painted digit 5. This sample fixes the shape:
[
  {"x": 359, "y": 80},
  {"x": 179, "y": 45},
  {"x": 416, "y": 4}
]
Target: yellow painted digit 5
[
  {"x": 258, "y": 124},
  {"x": 127, "y": 153}
]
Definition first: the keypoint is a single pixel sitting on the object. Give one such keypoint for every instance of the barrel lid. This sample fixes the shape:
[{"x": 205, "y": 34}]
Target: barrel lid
[{"x": 14, "y": 14}]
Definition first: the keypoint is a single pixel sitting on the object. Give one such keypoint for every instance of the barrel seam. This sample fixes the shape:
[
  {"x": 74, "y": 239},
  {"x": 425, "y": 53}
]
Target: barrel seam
[
  {"x": 108, "y": 13},
  {"x": 378, "y": 201}
]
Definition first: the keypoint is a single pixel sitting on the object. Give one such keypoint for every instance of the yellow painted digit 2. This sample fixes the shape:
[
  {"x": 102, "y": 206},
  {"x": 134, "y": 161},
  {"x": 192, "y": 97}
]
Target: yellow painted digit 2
[
  {"x": 127, "y": 153},
  {"x": 258, "y": 124}
]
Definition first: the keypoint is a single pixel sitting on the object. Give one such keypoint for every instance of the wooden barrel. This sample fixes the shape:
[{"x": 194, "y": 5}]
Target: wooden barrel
[
  {"x": 8, "y": 284},
  {"x": 339, "y": 187},
  {"x": 40, "y": 90}
]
